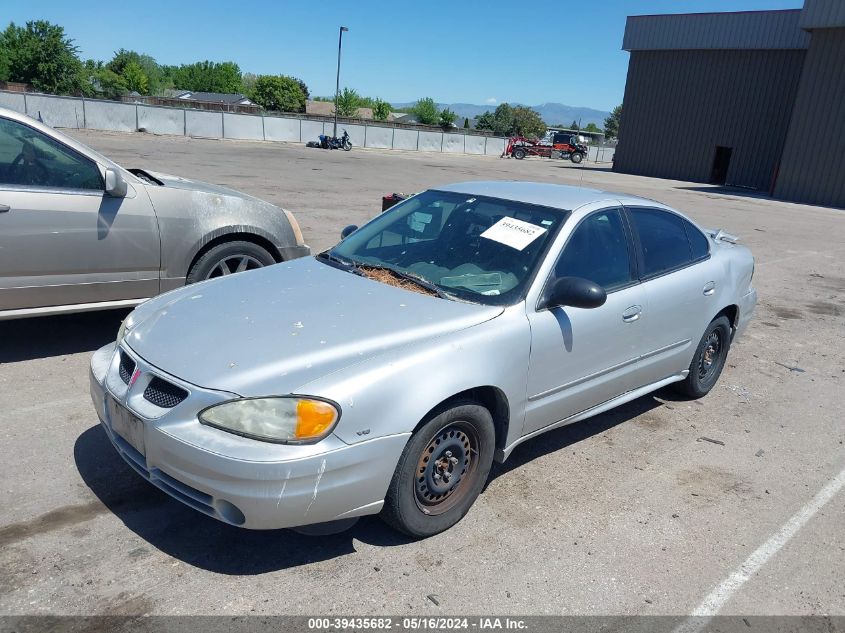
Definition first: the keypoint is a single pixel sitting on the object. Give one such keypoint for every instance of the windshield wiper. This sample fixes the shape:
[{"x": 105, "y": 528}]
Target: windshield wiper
[
  {"x": 343, "y": 261},
  {"x": 424, "y": 283}
]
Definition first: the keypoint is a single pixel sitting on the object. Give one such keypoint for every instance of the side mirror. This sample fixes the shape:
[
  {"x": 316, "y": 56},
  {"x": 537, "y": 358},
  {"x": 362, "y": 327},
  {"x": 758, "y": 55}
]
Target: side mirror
[
  {"x": 576, "y": 292},
  {"x": 116, "y": 186},
  {"x": 347, "y": 231}
]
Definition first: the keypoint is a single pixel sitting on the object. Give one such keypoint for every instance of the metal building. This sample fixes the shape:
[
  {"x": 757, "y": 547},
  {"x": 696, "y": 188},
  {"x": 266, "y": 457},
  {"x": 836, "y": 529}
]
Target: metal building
[{"x": 751, "y": 99}]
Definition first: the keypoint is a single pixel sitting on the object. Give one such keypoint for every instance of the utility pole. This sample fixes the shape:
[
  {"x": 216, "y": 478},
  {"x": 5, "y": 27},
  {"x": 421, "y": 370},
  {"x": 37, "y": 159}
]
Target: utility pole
[{"x": 337, "y": 86}]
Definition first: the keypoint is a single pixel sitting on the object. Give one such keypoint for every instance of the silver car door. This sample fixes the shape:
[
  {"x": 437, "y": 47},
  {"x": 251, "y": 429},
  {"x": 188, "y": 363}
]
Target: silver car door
[
  {"x": 681, "y": 285},
  {"x": 62, "y": 239},
  {"x": 583, "y": 357}
]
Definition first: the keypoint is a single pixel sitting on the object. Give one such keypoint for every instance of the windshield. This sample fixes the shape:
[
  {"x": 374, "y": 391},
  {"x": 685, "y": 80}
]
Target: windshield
[{"x": 468, "y": 247}]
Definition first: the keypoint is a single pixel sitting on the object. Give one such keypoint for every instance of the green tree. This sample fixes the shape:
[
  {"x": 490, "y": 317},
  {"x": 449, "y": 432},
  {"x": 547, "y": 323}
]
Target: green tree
[
  {"x": 302, "y": 87},
  {"x": 526, "y": 122},
  {"x": 612, "y": 122},
  {"x": 278, "y": 92},
  {"x": 485, "y": 121},
  {"x": 107, "y": 83},
  {"x": 148, "y": 66},
  {"x": 42, "y": 55},
  {"x": 592, "y": 127},
  {"x": 447, "y": 118},
  {"x": 381, "y": 110},
  {"x": 466, "y": 123},
  {"x": 426, "y": 111},
  {"x": 248, "y": 81},
  {"x": 574, "y": 126},
  {"x": 209, "y": 76},
  {"x": 348, "y": 102},
  {"x": 4, "y": 59},
  {"x": 503, "y": 120},
  {"x": 135, "y": 78}
]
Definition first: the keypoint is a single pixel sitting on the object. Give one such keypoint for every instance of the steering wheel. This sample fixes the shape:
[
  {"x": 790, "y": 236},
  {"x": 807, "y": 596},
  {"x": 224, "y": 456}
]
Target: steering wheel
[{"x": 35, "y": 174}]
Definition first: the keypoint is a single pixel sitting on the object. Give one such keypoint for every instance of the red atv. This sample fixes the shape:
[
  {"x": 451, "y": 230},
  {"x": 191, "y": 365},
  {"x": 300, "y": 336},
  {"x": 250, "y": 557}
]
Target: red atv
[{"x": 563, "y": 145}]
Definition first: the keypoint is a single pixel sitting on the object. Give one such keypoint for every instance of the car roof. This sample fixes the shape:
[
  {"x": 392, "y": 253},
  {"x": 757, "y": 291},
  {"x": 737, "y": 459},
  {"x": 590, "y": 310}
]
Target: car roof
[{"x": 566, "y": 197}]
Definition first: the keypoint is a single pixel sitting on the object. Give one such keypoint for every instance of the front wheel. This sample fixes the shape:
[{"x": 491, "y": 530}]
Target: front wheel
[
  {"x": 441, "y": 471},
  {"x": 229, "y": 258},
  {"x": 519, "y": 153},
  {"x": 709, "y": 359},
  {"x": 577, "y": 157}
]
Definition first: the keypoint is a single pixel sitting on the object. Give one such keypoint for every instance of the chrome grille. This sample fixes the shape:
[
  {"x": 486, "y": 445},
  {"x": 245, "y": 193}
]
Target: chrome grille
[{"x": 164, "y": 394}]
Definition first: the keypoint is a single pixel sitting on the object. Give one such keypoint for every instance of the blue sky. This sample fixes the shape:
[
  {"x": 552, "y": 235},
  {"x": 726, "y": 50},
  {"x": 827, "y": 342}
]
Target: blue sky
[{"x": 475, "y": 52}]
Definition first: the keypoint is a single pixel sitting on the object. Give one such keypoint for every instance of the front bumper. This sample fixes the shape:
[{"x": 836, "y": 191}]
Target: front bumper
[
  {"x": 294, "y": 252},
  {"x": 243, "y": 482}
]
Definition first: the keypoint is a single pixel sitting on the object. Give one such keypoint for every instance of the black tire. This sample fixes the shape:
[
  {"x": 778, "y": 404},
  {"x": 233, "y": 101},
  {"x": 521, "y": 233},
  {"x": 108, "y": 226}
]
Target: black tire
[
  {"x": 460, "y": 437},
  {"x": 519, "y": 153},
  {"x": 709, "y": 359},
  {"x": 347, "y": 146},
  {"x": 576, "y": 157},
  {"x": 230, "y": 255}
]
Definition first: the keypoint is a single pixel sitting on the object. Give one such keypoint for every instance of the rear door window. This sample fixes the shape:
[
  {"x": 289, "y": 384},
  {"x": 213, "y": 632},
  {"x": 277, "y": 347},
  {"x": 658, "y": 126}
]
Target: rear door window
[{"x": 663, "y": 240}]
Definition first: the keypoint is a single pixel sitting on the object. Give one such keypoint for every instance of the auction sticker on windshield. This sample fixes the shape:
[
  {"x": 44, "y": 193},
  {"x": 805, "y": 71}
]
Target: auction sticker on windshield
[{"x": 514, "y": 233}]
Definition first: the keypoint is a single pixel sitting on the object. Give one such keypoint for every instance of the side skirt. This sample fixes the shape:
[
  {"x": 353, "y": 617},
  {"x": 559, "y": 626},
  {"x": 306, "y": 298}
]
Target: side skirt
[
  {"x": 67, "y": 309},
  {"x": 503, "y": 454}
]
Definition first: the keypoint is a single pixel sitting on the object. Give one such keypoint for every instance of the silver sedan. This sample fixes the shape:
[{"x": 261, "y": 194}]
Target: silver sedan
[
  {"x": 389, "y": 372},
  {"x": 78, "y": 232}
]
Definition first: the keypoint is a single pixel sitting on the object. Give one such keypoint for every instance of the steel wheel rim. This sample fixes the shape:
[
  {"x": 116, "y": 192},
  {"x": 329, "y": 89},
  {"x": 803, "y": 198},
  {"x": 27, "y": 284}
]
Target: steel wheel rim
[
  {"x": 446, "y": 468},
  {"x": 233, "y": 264},
  {"x": 710, "y": 356}
]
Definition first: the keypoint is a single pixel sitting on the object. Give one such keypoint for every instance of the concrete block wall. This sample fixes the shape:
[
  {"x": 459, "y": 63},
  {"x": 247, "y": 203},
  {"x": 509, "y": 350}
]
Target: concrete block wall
[
  {"x": 98, "y": 114},
  {"x": 157, "y": 120},
  {"x": 111, "y": 115}
]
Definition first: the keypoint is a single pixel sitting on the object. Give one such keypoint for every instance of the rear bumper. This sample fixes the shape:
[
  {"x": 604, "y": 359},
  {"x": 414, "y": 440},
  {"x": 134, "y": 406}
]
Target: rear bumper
[
  {"x": 243, "y": 482},
  {"x": 746, "y": 310}
]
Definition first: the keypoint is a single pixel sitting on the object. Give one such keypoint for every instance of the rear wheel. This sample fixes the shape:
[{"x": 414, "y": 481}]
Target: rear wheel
[
  {"x": 519, "y": 153},
  {"x": 709, "y": 359},
  {"x": 229, "y": 258},
  {"x": 577, "y": 157},
  {"x": 441, "y": 471}
]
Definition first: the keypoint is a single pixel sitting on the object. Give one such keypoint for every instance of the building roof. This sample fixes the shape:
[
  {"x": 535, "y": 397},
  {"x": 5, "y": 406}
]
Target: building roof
[
  {"x": 214, "y": 97},
  {"x": 823, "y": 14},
  {"x": 741, "y": 30}
]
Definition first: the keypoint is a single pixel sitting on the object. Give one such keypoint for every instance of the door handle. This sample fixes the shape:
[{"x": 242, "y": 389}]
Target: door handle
[
  {"x": 632, "y": 314},
  {"x": 5, "y": 208},
  {"x": 709, "y": 288}
]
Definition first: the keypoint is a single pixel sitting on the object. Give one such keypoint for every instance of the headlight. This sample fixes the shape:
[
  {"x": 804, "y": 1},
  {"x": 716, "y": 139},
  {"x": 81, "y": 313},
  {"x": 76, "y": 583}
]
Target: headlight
[
  {"x": 121, "y": 333},
  {"x": 283, "y": 419}
]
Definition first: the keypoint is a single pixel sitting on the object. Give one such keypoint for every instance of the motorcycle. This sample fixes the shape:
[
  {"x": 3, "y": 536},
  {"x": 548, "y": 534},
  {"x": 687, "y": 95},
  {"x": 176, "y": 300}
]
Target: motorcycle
[{"x": 332, "y": 142}]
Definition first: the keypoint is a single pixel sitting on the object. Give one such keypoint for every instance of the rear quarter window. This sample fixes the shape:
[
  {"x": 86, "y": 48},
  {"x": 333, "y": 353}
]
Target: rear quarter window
[{"x": 698, "y": 243}]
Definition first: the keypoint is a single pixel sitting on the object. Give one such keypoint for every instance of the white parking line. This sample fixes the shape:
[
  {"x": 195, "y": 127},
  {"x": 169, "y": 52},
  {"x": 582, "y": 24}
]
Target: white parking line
[{"x": 717, "y": 598}]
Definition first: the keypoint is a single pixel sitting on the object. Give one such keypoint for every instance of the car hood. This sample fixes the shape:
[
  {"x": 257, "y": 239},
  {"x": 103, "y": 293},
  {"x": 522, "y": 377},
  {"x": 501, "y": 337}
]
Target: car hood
[
  {"x": 272, "y": 330},
  {"x": 178, "y": 182}
]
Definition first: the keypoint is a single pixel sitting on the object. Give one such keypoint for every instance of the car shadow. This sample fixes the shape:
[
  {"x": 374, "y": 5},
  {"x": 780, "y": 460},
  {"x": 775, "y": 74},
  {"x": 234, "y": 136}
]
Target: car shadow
[
  {"x": 48, "y": 336},
  {"x": 206, "y": 543},
  {"x": 197, "y": 539}
]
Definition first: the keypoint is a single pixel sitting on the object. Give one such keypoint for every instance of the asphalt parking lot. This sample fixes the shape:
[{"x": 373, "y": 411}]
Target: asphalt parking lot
[{"x": 630, "y": 512}]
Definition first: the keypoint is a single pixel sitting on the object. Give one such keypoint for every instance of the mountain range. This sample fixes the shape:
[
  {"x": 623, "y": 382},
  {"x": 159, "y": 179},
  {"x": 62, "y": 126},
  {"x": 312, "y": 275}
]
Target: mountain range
[{"x": 551, "y": 113}]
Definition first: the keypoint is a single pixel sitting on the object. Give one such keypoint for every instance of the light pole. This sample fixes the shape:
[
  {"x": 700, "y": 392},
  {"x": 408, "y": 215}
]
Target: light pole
[{"x": 337, "y": 86}]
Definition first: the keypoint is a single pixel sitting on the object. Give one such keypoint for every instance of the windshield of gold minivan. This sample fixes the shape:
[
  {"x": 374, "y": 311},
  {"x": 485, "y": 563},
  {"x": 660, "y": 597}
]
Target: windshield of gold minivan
[{"x": 470, "y": 247}]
